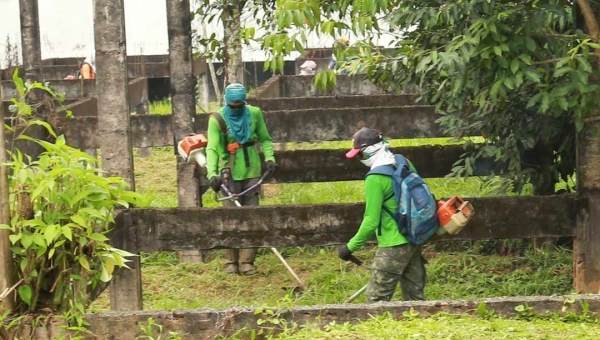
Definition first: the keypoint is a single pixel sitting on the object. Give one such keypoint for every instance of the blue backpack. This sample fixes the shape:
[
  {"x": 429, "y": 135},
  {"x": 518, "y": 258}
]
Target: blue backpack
[{"x": 417, "y": 208}]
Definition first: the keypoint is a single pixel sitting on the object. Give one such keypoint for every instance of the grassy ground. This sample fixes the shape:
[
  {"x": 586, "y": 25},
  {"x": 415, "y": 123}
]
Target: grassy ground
[
  {"x": 456, "y": 270},
  {"x": 445, "y": 326}
]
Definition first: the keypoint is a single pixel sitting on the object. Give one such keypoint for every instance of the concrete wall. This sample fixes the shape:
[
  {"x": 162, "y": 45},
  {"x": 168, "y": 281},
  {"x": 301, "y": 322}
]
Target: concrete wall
[
  {"x": 303, "y": 86},
  {"x": 330, "y": 102},
  {"x": 85, "y": 88},
  {"x": 200, "y": 324}
]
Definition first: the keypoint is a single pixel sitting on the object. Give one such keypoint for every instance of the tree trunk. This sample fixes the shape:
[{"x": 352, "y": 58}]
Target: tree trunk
[
  {"x": 183, "y": 101},
  {"x": 114, "y": 127},
  {"x": 586, "y": 250},
  {"x": 211, "y": 67},
  {"x": 6, "y": 260},
  {"x": 30, "y": 40},
  {"x": 232, "y": 37}
]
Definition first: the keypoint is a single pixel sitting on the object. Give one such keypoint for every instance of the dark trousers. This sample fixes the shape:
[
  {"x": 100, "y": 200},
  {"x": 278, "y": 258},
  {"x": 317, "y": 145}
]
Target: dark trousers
[{"x": 238, "y": 256}]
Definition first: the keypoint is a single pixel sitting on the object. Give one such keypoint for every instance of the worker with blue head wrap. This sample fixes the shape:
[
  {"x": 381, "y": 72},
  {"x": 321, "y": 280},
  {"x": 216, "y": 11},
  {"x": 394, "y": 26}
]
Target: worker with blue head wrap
[{"x": 234, "y": 133}]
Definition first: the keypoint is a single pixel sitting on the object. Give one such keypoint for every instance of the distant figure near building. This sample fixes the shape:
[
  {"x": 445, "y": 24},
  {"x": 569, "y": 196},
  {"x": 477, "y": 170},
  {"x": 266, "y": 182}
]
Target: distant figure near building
[
  {"x": 309, "y": 67},
  {"x": 87, "y": 70},
  {"x": 340, "y": 43}
]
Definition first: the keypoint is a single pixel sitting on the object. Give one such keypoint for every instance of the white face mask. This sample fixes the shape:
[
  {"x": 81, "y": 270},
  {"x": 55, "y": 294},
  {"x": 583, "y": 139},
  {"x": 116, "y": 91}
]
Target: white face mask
[{"x": 380, "y": 155}]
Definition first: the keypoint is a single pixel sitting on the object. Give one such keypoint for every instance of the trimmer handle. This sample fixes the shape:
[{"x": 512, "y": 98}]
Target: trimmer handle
[{"x": 355, "y": 260}]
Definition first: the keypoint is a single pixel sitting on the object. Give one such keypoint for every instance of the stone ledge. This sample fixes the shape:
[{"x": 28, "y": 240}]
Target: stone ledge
[{"x": 211, "y": 323}]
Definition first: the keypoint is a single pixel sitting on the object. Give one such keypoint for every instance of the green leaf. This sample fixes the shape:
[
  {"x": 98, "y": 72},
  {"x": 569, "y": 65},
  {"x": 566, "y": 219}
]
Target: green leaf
[
  {"x": 502, "y": 62},
  {"x": 25, "y": 294},
  {"x": 104, "y": 275},
  {"x": 545, "y": 102},
  {"x": 98, "y": 237},
  {"x": 19, "y": 84},
  {"x": 51, "y": 232},
  {"x": 14, "y": 238},
  {"x": 533, "y": 76},
  {"x": 562, "y": 102},
  {"x": 79, "y": 220},
  {"x": 530, "y": 44},
  {"x": 84, "y": 263},
  {"x": 39, "y": 240},
  {"x": 585, "y": 65},
  {"x": 66, "y": 231},
  {"x": 534, "y": 100},
  {"x": 79, "y": 197},
  {"x": 561, "y": 71},
  {"x": 526, "y": 59},
  {"x": 495, "y": 89},
  {"x": 514, "y": 65},
  {"x": 26, "y": 240},
  {"x": 47, "y": 126}
]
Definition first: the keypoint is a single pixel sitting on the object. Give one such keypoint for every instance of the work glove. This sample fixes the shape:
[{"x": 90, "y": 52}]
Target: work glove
[
  {"x": 344, "y": 253},
  {"x": 271, "y": 166},
  {"x": 215, "y": 183}
]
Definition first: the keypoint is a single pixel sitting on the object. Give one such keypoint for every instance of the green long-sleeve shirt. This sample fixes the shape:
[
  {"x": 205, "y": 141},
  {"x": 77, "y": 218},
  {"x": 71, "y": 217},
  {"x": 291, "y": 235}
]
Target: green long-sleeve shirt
[
  {"x": 217, "y": 154},
  {"x": 377, "y": 188}
]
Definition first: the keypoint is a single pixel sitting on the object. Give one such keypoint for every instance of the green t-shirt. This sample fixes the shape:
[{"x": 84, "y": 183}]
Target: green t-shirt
[
  {"x": 217, "y": 156},
  {"x": 377, "y": 188}
]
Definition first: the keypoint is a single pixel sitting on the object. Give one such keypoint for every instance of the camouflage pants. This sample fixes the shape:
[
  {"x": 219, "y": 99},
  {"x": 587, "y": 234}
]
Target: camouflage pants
[{"x": 402, "y": 264}]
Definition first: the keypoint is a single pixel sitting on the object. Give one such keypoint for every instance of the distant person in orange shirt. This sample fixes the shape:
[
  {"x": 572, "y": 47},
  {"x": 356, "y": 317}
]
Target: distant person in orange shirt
[{"x": 87, "y": 69}]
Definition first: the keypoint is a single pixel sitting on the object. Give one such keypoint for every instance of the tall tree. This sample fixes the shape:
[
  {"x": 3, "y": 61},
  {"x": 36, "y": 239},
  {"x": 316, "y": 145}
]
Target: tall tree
[
  {"x": 235, "y": 35},
  {"x": 30, "y": 39},
  {"x": 518, "y": 74},
  {"x": 6, "y": 258},
  {"x": 232, "y": 39}
]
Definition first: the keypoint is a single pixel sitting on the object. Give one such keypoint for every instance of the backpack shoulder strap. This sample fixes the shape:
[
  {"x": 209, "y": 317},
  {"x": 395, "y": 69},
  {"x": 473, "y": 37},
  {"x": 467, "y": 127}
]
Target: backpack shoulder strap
[
  {"x": 221, "y": 121},
  {"x": 386, "y": 170}
]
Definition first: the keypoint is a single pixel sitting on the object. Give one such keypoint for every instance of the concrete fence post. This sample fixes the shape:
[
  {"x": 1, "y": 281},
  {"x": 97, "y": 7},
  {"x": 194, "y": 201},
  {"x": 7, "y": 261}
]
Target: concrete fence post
[{"x": 114, "y": 129}]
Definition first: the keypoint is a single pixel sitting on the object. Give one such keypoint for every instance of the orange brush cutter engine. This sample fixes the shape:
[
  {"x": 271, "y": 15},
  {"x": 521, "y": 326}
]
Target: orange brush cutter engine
[
  {"x": 192, "y": 148},
  {"x": 194, "y": 142},
  {"x": 454, "y": 214}
]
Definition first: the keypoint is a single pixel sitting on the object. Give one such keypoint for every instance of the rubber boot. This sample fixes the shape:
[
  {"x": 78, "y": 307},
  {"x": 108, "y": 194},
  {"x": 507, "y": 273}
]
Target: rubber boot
[
  {"x": 247, "y": 261},
  {"x": 231, "y": 261}
]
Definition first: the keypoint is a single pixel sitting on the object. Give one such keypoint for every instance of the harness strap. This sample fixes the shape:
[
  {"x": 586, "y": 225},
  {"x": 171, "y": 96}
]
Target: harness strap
[
  {"x": 222, "y": 127},
  {"x": 232, "y": 147}
]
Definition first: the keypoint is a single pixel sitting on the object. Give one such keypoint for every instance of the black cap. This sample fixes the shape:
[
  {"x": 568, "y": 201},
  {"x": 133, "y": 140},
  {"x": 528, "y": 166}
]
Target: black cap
[{"x": 362, "y": 138}]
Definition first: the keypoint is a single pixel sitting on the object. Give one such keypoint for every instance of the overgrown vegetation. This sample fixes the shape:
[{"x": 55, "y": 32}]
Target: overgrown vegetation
[
  {"x": 440, "y": 326},
  {"x": 61, "y": 211},
  {"x": 523, "y": 75}
]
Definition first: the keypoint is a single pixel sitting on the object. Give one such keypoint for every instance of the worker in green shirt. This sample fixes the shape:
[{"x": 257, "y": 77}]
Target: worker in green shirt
[
  {"x": 397, "y": 260},
  {"x": 234, "y": 133}
]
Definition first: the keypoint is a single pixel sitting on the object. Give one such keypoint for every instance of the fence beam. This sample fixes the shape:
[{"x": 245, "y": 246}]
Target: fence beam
[
  {"x": 325, "y": 224},
  {"x": 285, "y": 126}
]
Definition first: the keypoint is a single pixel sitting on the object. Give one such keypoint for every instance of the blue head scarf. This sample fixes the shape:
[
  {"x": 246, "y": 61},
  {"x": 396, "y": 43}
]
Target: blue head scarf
[{"x": 238, "y": 119}]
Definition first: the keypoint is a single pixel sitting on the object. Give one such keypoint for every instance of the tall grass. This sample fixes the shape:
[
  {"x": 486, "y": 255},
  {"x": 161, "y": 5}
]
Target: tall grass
[{"x": 164, "y": 107}]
